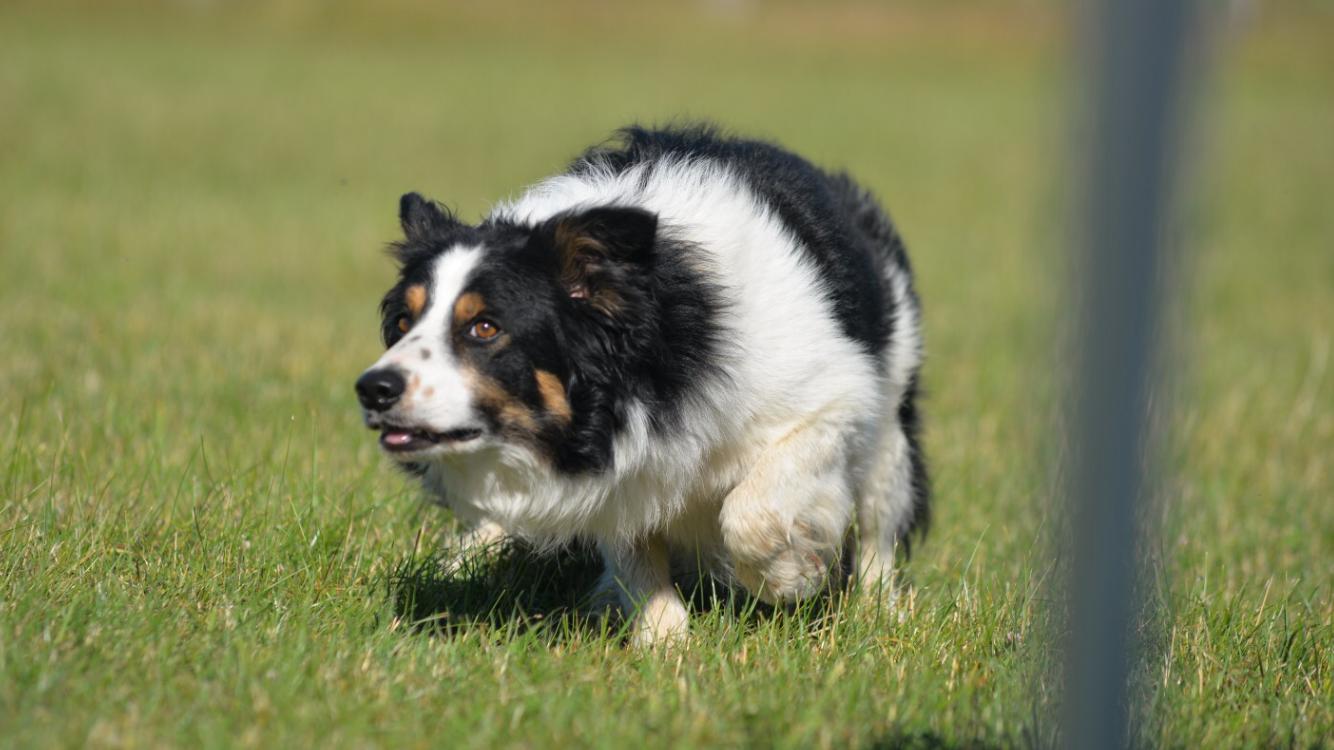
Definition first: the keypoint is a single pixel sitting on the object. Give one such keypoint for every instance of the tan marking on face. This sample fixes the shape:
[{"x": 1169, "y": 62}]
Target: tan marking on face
[
  {"x": 429, "y": 392},
  {"x": 415, "y": 298},
  {"x": 553, "y": 395},
  {"x": 468, "y": 306},
  {"x": 490, "y": 395}
]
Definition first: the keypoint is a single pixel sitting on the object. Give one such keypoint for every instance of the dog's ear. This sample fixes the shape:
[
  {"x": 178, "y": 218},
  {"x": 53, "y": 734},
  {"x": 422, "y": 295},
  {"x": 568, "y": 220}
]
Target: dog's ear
[
  {"x": 598, "y": 251},
  {"x": 423, "y": 218}
]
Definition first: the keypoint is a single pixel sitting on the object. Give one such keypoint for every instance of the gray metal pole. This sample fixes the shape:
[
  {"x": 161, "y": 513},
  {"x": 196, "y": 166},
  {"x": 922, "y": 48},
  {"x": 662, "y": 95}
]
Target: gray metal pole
[{"x": 1133, "y": 80}]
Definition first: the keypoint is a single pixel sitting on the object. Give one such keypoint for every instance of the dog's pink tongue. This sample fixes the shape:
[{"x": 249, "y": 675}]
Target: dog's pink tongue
[{"x": 397, "y": 438}]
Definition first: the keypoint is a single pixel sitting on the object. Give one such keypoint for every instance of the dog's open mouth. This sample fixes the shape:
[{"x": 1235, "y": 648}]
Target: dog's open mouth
[{"x": 408, "y": 440}]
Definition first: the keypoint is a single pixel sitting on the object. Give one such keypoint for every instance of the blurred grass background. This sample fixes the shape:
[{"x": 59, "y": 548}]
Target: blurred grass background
[{"x": 200, "y": 545}]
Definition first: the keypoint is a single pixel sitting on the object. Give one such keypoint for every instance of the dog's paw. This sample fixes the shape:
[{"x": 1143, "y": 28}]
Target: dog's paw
[
  {"x": 661, "y": 622},
  {"x": 779, "y": 564}
]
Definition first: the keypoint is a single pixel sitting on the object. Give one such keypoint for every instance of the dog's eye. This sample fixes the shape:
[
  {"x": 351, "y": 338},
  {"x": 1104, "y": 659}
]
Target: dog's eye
[
  {"x": 404, "y": 323},
  {"x": 484, "y": 330}
]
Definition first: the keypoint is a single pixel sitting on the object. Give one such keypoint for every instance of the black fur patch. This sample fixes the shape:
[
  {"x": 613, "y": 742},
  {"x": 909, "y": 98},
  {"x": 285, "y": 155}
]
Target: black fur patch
[{"x": 910, "y": 419}]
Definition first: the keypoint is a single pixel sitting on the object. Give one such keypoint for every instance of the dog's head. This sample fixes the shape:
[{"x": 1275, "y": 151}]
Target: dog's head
[{"x": 493, "y": 332}]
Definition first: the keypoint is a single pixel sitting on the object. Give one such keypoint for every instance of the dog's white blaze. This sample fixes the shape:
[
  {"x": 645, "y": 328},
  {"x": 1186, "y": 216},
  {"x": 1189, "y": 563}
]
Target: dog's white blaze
[{"x": 438, "y": 395}]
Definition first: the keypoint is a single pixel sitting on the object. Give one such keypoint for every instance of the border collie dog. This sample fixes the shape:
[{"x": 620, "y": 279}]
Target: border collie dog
[{"x": 688, "y": 347}]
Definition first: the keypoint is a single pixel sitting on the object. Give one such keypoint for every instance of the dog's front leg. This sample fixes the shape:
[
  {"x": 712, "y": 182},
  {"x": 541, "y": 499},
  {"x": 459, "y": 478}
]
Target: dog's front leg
[
  {"x": 478, "y": 538},
  {"x": 785, "y": 523},
  {"x": 641, "y": 575}
]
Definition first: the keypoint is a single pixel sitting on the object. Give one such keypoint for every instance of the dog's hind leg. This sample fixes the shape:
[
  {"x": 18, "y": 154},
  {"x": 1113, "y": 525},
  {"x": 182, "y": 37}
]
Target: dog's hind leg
[
  {"x": 884, "y": 509},
  {"x": 892, "y": 501}
]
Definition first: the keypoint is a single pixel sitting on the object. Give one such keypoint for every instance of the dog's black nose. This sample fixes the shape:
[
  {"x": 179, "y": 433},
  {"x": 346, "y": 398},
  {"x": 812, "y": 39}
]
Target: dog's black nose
[{"x": 378, "y": 390}]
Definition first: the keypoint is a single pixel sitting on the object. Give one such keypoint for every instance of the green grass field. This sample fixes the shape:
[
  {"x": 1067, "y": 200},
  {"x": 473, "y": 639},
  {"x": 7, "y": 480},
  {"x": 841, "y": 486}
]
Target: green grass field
[{"x": 200, "y": 546}]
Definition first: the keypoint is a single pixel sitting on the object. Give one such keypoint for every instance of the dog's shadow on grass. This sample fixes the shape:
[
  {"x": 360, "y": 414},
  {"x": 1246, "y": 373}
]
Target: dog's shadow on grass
[
  {"x": 513, "y": 588},
  {"x": 506, "y": 586}
]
